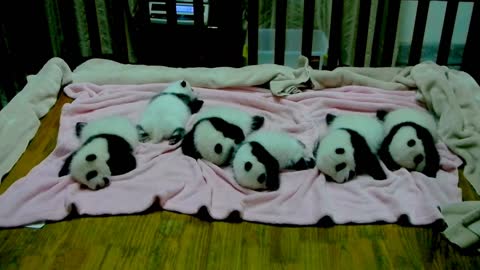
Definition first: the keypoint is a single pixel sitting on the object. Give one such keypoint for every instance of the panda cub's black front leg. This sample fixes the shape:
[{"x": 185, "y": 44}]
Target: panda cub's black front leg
[
  {"x": 177, "y": 136},
  {"x": 303, "y": 164}
]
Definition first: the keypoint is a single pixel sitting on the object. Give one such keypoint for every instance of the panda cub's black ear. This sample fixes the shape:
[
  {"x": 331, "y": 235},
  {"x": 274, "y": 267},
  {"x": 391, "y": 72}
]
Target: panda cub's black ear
[
  {"x": 79, "y": 127},
  {"x": 381, "y": 114},
  {"x": 329, "y": 118},
  {"x": 183, "y": 83}
]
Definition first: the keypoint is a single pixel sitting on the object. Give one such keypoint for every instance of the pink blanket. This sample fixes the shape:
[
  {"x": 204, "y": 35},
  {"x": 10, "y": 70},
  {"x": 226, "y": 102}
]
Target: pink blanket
[{"x": 184, "y": 185}]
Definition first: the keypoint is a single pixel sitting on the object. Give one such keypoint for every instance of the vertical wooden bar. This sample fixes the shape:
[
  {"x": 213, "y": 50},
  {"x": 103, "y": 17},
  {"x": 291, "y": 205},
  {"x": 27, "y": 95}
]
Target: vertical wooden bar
[
  {"x": 119, "y": 38},
  {"x": 391, "y": 32},
  {"x": 198, "y": 13},
  {"x": 335, "y": 35},
  {"x": 418, "y": 32},
  {"x": 307, "y": 31},
  {"x": 93, "y": 32},
  {"x": 252, "y": 32},
  {"x": 70, "y": 47},
  {"x": 362, "y": 32},
  {"x": 377, "y": 35},
  {"x": 447, "y": 32},
  {"x": 7, "y": 78},
  {"x": 470, "y": 53},
  {"x": 280, "y": 30},
  {"x": 171, "y": 12}
]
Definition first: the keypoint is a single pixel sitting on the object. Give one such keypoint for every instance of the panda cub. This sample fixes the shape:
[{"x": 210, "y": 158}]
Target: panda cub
[
  {"x": 168, "y": 112},
  {"x": 257, "y": 161},
  {"x": 410, "y": 141},
  {"x": 106, "y": 150},
  {"x": 217, "y": 131},
  {"x": 350, "y": 148}
]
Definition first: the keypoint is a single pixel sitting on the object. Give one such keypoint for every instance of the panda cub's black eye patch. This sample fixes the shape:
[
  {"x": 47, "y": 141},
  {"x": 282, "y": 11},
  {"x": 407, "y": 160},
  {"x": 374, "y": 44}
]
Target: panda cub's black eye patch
[
  {"x": 90, "y": 175},
  {"x": 261, "y": 178},
  {"x": 340, "y": 151},
  {"x": 248, "y": 166},
  {"x": 218, "y": 148},
  {"x": 91, "y": 157},
  {"x": 340, "y": 166},
  {"x": 411, "y": 143}
]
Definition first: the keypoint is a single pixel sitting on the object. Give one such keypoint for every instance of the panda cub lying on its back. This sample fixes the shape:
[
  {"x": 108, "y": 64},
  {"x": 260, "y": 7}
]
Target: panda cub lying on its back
[
  {"x": 168, "y": 112},
  {"x": 350, "y": 148},
  {"x": 217, "y": 131},
  {"x": 410, "y": 141},
  {"x": 106, "y": 150},
  {"x": 257, "y": 162}
]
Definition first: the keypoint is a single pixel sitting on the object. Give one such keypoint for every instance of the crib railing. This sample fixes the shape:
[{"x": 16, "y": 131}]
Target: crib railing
[
  {"x": 383, "y": 33},
  {"x": 19, "y": 58}
]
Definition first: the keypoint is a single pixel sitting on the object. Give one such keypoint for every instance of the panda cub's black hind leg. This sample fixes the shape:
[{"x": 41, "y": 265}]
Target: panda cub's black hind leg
[
  {"x": 257, "y": 122},
  {"x": 177, "y": 136}
]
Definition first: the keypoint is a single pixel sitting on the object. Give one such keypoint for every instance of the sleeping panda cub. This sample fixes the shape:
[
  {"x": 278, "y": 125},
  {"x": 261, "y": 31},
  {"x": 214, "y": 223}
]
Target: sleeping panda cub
[
  {"x": 106, "y": 150},
  {"x": 350, "y": 148},
  {"x": 410, "y": 141},
  {"x": 168, "y": 112},
  {"x": 217, "y": 131},
  {"x": 257, "y": 161}
]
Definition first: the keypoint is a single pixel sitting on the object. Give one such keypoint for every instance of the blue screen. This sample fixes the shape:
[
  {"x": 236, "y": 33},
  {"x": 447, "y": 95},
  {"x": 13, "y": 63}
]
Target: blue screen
[{"x": 185, "y": 9}]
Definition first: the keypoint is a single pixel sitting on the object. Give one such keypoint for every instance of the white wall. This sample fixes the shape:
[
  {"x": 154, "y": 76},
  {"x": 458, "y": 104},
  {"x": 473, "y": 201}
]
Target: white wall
[{"x": 435, "y": 18}]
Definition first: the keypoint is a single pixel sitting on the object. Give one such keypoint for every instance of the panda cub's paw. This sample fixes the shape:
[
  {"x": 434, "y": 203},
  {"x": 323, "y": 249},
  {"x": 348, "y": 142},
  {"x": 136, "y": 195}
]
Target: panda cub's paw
[
  {"x": 304, "y": 163},
  {"x": 310, "y": 162},
  {"x": 177, "y": 136},
  {"x": 142, "y": 134},
  {"x": 79, "y": 127},
  {"x": 257, "y": 122},
  {"x": 381, "y": 114}
]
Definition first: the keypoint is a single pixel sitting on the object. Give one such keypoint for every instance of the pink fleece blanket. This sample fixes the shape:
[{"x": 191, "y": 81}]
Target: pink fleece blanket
[{"x": 184, "y": 185}]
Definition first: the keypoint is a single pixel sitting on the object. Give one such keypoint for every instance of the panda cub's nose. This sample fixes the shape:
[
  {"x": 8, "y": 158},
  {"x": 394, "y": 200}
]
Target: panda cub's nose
[{"x": 418, "y": 159}]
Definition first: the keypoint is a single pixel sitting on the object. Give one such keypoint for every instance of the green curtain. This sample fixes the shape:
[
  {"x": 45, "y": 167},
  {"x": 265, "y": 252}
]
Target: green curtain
[
  {"x": 106, "y": 26},
  {"x": 33, "y": 31}
]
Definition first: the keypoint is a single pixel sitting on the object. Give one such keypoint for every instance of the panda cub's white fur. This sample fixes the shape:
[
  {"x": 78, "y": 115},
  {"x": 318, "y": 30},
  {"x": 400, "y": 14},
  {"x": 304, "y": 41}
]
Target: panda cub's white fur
[
  {"x": 257, "y": 162},
  {"x": 234, "y": 116},
  {"x": 368, "y": 127},
  {"x": 114, "y": 125},
  {"x": 168, "y": 112},
  {"x": 399, "y": 116},
  {"x": 410, "y": 141},
  {"x": 217, "y": 130},
  {"x": 106, "y": 150},
  {"x": 349, "y": 148}
]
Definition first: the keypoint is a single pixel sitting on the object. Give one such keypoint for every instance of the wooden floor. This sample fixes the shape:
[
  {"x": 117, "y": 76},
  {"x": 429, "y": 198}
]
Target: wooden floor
[{"x": 165, "y": 240}]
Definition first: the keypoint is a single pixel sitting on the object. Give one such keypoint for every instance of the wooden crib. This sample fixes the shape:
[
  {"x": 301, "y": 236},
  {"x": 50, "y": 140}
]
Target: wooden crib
[
  {"x": 27, "y": 56},
  {"x": 389, "y": 9}
]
